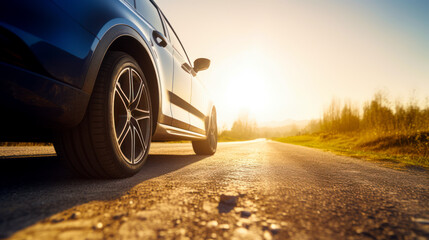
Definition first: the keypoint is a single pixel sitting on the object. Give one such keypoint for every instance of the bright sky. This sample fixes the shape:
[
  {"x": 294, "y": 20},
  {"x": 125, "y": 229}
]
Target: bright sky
[{"x": 286, "y": 59}]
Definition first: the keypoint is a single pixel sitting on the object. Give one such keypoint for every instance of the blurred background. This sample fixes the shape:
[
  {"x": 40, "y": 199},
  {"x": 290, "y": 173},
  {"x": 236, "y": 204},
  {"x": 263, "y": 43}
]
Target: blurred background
[{"x": 280, "y": 62}]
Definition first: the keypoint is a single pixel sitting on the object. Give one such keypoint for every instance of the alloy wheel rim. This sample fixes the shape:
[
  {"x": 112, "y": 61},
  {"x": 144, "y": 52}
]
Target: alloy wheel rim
[{"x": 131, "y": 113}]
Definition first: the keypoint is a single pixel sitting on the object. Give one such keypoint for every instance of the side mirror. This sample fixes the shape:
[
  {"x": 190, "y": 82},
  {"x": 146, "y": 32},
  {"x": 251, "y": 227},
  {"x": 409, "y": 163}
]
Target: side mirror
[{"x": 201, "y": 64}]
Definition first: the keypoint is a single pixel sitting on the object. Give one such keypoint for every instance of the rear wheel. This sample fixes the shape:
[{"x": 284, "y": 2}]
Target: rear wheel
[
  {"x": 114, "y": 137},
  {"x": 209, "y": 145}
]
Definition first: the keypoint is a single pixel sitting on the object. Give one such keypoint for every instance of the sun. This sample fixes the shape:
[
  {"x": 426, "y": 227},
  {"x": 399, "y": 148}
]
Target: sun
[
  {"x": 247, "y": 91},
  {"x": 247, "y": 87}
]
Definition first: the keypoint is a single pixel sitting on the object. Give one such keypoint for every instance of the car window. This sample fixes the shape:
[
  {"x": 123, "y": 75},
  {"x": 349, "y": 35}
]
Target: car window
[
  {"x": 176, "y": 43},
  {"x": 164, "y": 20},
  {"x": 150, "y": 13}
]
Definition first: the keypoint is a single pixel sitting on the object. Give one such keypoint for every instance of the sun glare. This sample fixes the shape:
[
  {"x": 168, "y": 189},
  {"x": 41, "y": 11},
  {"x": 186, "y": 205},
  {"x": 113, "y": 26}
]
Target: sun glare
[{"x": 247, "y": 91}]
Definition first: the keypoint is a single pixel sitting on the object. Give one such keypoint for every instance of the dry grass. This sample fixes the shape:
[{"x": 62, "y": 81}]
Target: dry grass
[
  {"x": 380, "y": 131},
  {"x": 395, "y": 151}
]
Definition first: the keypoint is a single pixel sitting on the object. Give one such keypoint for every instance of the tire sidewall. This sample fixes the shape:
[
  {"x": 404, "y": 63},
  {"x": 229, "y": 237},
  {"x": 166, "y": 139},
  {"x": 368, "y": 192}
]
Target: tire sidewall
[
  {"x": 122, "y": 62},
  {"x": 213, "y": 116}
]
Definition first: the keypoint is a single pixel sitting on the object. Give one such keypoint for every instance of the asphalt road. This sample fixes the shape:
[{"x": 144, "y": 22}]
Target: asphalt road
[{"x": 271, "y": 191}]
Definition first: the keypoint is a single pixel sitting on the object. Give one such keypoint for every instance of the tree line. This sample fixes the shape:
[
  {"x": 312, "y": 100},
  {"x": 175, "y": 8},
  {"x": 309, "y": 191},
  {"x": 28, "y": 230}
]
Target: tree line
[{"x": 378, "y": 116}]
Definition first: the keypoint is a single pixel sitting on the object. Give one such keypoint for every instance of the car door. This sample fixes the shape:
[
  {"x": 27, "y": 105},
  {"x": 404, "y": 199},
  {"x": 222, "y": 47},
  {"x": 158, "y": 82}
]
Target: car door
[
  {"x": 180, "y": 96},
  {"x": 163, "y": 53},
  {"x": 200, "y": 103}
]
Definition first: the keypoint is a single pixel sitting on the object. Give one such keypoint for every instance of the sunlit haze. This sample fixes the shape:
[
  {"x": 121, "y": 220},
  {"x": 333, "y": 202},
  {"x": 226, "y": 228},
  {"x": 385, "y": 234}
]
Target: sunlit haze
[{"x": 280, "y": 59}]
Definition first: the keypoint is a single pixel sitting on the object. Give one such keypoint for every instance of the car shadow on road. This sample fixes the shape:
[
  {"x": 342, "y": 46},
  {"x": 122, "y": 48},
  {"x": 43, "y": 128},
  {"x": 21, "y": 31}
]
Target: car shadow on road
[{"x": 32, "y": 189}]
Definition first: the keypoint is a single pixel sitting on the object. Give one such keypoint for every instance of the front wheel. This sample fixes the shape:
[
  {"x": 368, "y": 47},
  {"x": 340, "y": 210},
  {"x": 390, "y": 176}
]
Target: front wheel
[
  {"x": 209, "y": 145},
  {"x": 113, "y": 139}
]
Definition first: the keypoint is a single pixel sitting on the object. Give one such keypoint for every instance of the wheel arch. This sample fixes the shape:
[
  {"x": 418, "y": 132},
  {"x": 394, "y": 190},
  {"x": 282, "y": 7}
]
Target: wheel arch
[{"x": 125, "y": 39}]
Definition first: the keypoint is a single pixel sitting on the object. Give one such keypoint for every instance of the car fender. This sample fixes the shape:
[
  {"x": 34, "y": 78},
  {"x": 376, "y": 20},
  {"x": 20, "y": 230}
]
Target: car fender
[{"x": 107, "y": 35}]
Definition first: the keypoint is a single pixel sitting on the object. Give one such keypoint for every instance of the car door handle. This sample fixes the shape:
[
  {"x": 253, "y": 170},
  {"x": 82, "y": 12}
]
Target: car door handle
[{"x": 159, "y": 39}]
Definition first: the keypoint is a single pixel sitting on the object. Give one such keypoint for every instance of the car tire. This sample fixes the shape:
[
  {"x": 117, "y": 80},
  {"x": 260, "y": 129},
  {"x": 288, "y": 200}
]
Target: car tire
[
  {"x": 209, "y": 145},
  {"x": 113, "y": 139}
]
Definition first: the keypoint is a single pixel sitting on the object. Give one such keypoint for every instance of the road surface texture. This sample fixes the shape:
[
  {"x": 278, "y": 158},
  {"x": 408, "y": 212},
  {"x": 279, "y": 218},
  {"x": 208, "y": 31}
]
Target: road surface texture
[{"x": 248, "y": 190}]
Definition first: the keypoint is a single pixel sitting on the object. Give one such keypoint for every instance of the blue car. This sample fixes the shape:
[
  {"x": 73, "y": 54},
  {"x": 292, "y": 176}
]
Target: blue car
[{"x": 101, "y": 79}]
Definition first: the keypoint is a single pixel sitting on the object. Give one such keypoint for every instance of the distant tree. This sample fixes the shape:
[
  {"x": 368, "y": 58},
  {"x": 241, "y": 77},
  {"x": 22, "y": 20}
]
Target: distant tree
[
  {"x": 242, "y": 129},
  {"x": 377, "y": 115},
  {"x": 331, "y": 117},
  {"x": 349, "y": 120},
  {"x": 312, "y": 127}
]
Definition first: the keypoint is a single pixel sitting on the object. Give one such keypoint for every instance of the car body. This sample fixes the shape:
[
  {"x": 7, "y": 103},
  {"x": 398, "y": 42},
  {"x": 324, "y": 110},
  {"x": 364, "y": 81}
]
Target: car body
[{"x": 52, "y": 52}]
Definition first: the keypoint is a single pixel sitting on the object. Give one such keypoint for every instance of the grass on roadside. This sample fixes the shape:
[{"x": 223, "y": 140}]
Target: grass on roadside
[{"x": 398, "y": 152}]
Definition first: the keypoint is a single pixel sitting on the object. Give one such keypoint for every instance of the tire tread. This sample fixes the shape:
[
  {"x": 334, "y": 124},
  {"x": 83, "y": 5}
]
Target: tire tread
[{"x": 86, "y": 147}]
